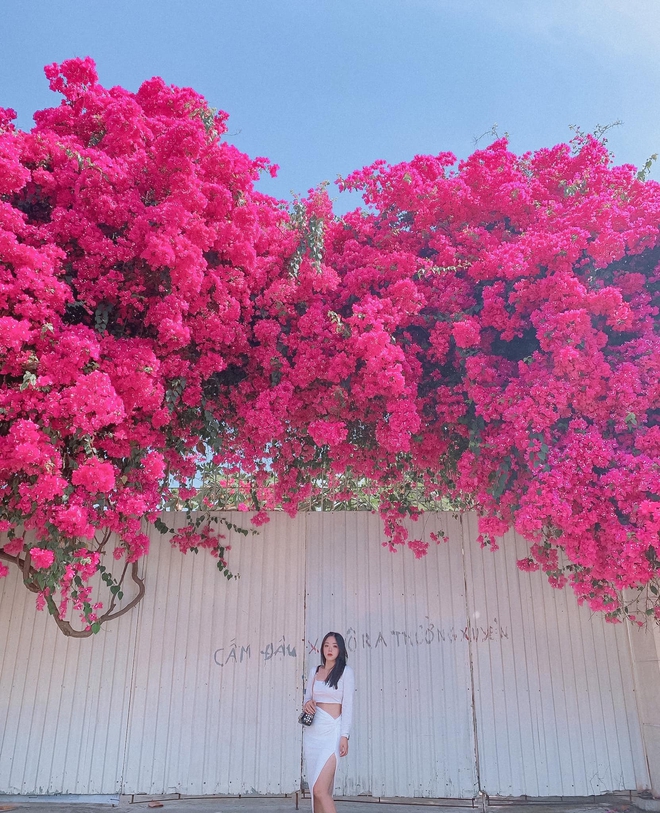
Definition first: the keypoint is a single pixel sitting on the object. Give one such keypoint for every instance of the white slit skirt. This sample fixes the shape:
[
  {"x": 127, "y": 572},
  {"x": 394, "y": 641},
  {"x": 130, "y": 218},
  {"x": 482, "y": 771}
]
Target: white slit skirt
[{"x": 320, "y": 742}]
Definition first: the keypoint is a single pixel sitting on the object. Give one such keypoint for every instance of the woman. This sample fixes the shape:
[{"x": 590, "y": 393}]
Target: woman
[{"x": 329, "y": 696}]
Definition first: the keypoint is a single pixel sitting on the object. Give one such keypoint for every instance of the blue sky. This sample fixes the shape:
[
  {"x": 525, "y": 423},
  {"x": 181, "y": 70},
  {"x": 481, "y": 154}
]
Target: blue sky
[{"x": 326, "y": 86}]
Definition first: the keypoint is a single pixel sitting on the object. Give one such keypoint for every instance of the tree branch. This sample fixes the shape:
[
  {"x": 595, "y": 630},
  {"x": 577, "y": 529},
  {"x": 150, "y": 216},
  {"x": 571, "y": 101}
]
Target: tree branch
[
  {"x": 68, "y": 630},
  {"x": 65, "y": 626},
  {"x": 104, "y": 541}
]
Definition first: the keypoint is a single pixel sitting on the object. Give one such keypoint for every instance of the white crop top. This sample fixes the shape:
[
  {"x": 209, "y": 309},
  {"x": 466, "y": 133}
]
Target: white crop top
[{"x": 321, "y": 692}]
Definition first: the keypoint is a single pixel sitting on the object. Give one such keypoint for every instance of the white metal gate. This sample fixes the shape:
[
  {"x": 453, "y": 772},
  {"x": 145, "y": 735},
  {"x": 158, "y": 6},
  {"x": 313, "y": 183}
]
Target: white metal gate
[
  {"x": 470, "y": 674},
  {"x": 216, "y": 684},
  {"x": 403, "y": 620}
]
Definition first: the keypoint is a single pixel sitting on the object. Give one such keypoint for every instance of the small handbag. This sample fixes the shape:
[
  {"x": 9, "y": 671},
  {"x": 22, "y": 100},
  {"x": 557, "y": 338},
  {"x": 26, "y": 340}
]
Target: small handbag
[{"x": 306, "y": 718}]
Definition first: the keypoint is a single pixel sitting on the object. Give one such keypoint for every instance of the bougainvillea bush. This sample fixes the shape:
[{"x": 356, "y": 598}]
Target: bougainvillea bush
[
  {"x": 481, "y": 332},
  {"x": 493, "y": 332},
  {"x": 132, "y": 246}
]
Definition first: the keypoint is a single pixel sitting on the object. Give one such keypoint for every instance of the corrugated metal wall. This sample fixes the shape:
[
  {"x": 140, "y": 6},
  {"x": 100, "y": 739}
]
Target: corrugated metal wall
[
  {"x": 197, "y": 690},
  {"x": 217, "y": 676},
  {"x": 63, "y": 701},
  {"x": 555, "y": 700}
]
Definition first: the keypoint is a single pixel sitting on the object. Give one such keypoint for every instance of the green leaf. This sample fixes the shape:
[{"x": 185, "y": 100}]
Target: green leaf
[
  {"x": 643, "y": 173},
  {"x": 29, "y": 380},
  {"x": 161, "y": 527},
  {"x": 502, "y": 478},
  {"x": 95, "y": 627},
  {"x": 102, "y": 316}
]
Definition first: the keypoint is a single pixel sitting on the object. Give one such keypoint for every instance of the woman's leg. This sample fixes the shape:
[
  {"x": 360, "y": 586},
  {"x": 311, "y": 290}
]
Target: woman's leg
[{"x": 324, "y": 786}]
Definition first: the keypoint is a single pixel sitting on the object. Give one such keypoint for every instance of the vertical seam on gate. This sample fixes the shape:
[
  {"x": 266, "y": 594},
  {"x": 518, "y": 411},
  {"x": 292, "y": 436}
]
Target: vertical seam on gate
[
  {"x": 131, "y": 690},
  {"x": 636, "y": 690},
  {"x": 304, "y": 641},
  {"x": 473, "y": 704}
]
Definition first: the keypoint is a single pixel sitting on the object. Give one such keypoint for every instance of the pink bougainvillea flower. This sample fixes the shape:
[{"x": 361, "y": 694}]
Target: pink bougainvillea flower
[
  {"x": 94, "y": 476},
  {"x": 260, "y": 518},
  {"x": 466, "y": 333},
  {"x": 41, "y": 558},
  {"x": 14, "y": 547}
]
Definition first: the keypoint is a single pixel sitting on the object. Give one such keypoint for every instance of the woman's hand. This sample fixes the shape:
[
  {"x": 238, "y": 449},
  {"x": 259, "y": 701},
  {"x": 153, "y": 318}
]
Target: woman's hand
[
  {"x": 343, "y": 746},
  {"x": 310, "y": 707}
]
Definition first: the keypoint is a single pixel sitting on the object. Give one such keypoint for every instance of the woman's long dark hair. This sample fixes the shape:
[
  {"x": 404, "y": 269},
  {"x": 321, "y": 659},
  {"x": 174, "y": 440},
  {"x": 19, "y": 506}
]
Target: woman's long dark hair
[{"x": 340, "y": 663}]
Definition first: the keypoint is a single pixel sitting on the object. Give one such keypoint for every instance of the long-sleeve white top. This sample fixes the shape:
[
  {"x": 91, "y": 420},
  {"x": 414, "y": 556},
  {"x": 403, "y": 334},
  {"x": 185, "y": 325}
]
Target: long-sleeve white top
[{"x": 320, "y": 692}]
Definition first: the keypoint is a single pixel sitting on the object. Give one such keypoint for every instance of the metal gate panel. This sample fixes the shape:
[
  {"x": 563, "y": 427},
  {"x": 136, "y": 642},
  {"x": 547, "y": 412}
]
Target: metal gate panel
[
  {"x": 218, "y": 668},
  {"x": 403, "y": 620},
  {"x": 555, "y": 703},
  {"x": 63, "y": 701}
]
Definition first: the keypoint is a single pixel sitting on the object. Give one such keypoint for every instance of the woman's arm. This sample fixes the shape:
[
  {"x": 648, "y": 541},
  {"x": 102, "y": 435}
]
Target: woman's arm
[
  {"x": 348, "y": 679},
  {"x": 308, "y": 704}
]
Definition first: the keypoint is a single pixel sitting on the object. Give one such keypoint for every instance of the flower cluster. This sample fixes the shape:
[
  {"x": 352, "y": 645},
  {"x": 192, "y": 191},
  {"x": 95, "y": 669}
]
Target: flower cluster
[
  {"x": 132, "y": 249},
  {"x": 489, "y": 326},
  {"x": 481, "y": 331}
]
